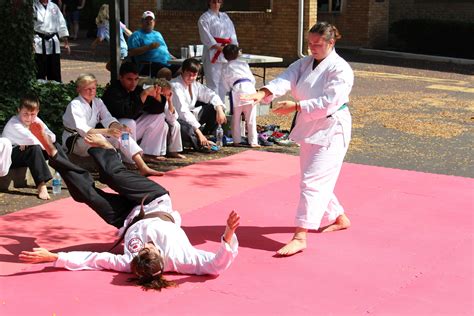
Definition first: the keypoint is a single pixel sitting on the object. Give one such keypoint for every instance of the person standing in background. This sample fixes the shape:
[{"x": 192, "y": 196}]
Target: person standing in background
[
  {"x": 72, "y": 11},
  {"x": 49, "y": 27},
  {"x": 215, "y": 30}
]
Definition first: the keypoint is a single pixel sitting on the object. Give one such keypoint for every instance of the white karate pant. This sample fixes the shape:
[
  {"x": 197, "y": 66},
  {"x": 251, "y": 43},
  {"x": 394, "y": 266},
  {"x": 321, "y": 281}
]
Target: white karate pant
[
  {"x": 159, "y": 132},
  {"x": 320, "y": 167},
  {"x": 213, "y": 74},
  {"x": 5, "y": 156},
  {"x": 250, "y": 114}
]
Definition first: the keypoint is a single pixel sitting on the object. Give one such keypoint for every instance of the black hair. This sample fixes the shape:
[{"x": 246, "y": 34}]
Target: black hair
[
  {"x": 192, "y": 65},
  {"x": 231, "y": 52},
  {"x": 128, "y": 67}
]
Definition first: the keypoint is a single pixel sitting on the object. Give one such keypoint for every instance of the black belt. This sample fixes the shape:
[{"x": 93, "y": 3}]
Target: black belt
[{"x": 44, "y": 38}]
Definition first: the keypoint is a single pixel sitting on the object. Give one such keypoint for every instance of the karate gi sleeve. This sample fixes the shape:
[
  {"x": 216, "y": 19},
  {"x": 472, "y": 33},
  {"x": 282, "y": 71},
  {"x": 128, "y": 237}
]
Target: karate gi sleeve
[
  {"x": 86, "y": 260},
  {"x": 78, "y": 117},
  {"x": 62, "y": 28},
  {"x": 336, "y": 92},
  {"x": 205, "y": 262},
  {"x": 182, "y": 108},
  {"x": 206, "y": 95},
  {"x": 105, "y": 117},
  {"x": 284, "y": 82},
  {"x": 206, "y": 38}
]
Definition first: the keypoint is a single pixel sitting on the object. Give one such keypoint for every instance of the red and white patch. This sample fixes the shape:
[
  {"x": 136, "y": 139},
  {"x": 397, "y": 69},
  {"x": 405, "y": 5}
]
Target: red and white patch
[{"x": 135, "y": 245}]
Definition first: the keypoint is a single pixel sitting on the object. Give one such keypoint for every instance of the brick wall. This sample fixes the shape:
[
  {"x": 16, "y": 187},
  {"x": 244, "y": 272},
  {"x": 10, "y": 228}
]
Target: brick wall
[
  {"x": 272, "y": 33},
  {"x": 459, "y": 10}
]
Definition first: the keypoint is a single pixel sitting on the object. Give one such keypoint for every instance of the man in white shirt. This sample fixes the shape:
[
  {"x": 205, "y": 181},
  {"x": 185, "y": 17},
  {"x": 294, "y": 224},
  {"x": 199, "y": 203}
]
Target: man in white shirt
[
  {"x": 153, "y": 239},
  {"x": 49, "y": 26},
  {"x": 199, "y": 108}
]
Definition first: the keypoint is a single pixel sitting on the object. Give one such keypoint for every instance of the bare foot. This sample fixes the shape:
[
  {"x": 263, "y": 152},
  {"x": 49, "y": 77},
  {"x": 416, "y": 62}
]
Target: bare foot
[
  {"x": 147, "y": 171},
  {"x": 255, "y": 146},
  {"x": 97, "y": 140},
  {"x": 176, "y": 155},
  {"x": 151, "y": 158},
  {"x": 38, "y": 130},
  {"x": 294, "y": 246},
  {"x": 43, "y": 192},
  {"x": 342, "y": 222}
]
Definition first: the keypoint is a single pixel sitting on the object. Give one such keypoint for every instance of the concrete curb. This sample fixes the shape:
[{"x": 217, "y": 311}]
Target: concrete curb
[{"x": 395, "y": 54}]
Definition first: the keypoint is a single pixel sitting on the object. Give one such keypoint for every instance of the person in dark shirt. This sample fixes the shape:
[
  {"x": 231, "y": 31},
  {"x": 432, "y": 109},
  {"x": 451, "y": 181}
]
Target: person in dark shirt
[{"x": 125, "y": 100}]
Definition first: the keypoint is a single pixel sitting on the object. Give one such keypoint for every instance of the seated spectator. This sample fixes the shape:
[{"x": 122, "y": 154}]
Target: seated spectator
[
  {"x": 125, "y": 100},
  {"x": 148, "y": 46},
  {"x": 199, "y": 108},
  {"x": 83, "y": 115},
  {"x": 159, "y": 108},
  {"x": 27, "y": 150}
]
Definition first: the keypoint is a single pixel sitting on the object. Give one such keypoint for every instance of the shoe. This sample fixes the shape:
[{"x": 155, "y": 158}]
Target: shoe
[{"x": 262, "y": 141}]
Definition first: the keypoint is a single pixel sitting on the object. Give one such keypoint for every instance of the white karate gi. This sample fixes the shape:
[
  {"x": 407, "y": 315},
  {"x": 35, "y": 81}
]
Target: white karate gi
[
  {"x": 178, "y": 253},
  {"x": 19, "y": 134},
  {"x": 5, "y": 156},
  {"x": 232, "y": 71},
  {"x": 324, "y": 141},
  {"x": 215, "y": 25},
  {"x": 159, "y": 132},
  {"x": 81, "y": 117},
  {"x": 48, "y": 21},
  {"x": 184, "y": 102}
]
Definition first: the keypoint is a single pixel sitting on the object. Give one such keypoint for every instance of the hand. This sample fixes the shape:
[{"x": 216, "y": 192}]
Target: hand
[
  {"x": 113, "y": 132},
  {"x": 255, "y": 97},
  {"x": 68, "y": 48},
  {"x": 153, "y": 45},
  {"x": 220, "y": 116},
  {"x": 233, "y": 221},
  {"x": 203, "y": 141},
  {"x": 38, "y": 255},
  {"x": 284, "y": 107},
  {"x": 125, "y": 128}
]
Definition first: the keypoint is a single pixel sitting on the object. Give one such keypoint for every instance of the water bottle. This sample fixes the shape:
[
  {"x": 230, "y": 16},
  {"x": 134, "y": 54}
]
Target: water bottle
[
  {"x": 219, "y": 136},
  {"x": 125, "y": 140},
  {"x": 57, "y": 183}
]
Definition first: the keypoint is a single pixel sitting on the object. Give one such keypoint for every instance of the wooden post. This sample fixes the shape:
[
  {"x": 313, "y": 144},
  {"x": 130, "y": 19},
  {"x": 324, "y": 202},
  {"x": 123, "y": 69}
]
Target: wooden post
[{"x": 114, "y": 16}]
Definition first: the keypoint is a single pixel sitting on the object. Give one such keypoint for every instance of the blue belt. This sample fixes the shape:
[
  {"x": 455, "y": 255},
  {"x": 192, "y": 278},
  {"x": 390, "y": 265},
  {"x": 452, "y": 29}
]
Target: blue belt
[{"x": 230, "y": 93}]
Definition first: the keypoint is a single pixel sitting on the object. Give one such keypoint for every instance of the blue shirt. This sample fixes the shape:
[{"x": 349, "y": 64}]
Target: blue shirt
[{"x": 158, "y": 55}]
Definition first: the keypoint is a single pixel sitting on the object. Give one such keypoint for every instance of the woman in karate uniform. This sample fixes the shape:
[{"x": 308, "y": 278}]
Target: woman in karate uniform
[{"x": 320, "y": 84}]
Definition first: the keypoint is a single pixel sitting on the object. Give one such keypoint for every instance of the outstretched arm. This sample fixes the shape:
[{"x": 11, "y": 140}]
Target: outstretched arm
[
  {"x": 38, "y": 255},
  {"x": 233, "y": 221}
]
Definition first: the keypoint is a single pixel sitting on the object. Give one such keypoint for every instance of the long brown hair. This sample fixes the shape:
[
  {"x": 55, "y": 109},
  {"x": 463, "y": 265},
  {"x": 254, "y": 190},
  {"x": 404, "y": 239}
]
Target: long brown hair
[{"x": 148, "y": 267}]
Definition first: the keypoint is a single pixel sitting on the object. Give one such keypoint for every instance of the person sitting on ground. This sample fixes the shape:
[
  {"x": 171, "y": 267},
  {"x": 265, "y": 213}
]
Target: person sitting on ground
[
  {"x": 5, "y": 156},
  {"x": 148, "y": 46},
  {"x": 199, "y": 108},
  {"x": 83, "y": 115},
  {"x": 103, "y": 33},
  {"x": 154, "y": 241},
  {"x": 239, "y": 80},
  {"x": 125, "y": 100},
  {"x": 27, "y": 151},
  {"x": 160, "y": 110}
]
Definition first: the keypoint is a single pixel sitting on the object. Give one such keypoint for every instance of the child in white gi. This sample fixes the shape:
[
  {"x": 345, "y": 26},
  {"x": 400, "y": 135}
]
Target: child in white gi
[
  {"x": 239, "y": 80},
  {"x": 27, "y": 151}
]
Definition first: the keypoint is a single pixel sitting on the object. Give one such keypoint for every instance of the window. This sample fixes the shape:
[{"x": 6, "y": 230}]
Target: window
[
  {"x": 201, "y": 5},
  {"x": 329, "y": 5}
]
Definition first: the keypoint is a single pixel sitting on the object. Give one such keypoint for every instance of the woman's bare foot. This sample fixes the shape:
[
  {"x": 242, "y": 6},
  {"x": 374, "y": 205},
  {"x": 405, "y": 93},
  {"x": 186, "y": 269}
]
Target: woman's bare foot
[
  {"x": 38, "y": 130},
  {"x": 97, "y": 140},
  {"x": 296, "y": 244},
  {"x": 43, "y": 192},
  {"x": 255, "y": 146},
  {"x": 176, "y": 155},
  {"x": 342, "y": 222}
]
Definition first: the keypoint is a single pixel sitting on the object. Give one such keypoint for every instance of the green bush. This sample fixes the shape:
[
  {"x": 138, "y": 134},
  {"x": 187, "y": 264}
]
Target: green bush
[
  {"x": 54, "y": 98},
  {"x": 445, "y": 38}
]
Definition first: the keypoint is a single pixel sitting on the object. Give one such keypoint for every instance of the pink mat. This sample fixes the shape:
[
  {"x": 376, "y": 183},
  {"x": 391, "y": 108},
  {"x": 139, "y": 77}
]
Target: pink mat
[{"x": 409, "y": 251}]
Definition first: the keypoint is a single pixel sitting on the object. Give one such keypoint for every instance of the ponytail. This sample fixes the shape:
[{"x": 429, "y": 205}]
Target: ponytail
[{"x": 326, "y": 30}]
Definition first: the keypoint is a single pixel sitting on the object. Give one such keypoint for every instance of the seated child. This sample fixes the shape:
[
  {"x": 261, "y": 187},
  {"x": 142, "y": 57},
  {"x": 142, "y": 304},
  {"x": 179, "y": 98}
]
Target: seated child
[
  {"x": 27, "y": 151},
  {"x": 159, "y": 109},
  {"x": 239, "y": 80},
  {"x": 82, "y": 116}
]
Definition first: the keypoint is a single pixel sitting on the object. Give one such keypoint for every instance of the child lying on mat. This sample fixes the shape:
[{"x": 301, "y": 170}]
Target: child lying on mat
[{"x": 154, "y": 241}]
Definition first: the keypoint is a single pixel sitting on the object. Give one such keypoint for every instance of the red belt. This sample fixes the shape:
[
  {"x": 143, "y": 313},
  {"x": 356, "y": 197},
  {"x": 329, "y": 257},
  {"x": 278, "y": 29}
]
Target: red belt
[{"x": 223, "y": 42}]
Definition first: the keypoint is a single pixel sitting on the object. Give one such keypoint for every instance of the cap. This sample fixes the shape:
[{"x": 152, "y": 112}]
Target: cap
[{"x": 147, "y": 14}]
